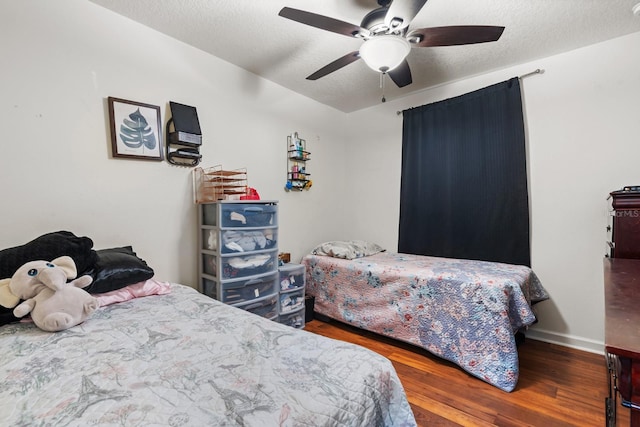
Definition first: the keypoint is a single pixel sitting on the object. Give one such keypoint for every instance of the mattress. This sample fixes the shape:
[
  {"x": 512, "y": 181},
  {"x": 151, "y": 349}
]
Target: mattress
[
  {"x": 183, "y": 359},
  {"x": 461, "y": 310}
]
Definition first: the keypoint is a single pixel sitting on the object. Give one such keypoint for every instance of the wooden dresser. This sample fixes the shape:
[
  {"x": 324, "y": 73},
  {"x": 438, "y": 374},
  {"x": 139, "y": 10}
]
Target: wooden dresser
[
  {"x": 625, "y": 223},
  {"x": 622, "y": 335}
]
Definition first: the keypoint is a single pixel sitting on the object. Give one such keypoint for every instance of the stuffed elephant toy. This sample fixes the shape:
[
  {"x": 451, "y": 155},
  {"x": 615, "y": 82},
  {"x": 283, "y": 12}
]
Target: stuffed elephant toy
[{"x": 54, "y": 304}]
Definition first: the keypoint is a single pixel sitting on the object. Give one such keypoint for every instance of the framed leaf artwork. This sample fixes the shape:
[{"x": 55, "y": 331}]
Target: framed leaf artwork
[{"x": 135, "y": 129}]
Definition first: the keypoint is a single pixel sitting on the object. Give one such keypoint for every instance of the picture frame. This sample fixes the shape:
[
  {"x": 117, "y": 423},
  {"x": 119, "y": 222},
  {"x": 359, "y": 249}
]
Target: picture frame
[{"x": 136, "y": 130}]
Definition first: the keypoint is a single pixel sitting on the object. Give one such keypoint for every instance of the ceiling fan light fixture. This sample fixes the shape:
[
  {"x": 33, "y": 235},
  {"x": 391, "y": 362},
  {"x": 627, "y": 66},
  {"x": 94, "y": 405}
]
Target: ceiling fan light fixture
[{"x": 384, "y": 53}]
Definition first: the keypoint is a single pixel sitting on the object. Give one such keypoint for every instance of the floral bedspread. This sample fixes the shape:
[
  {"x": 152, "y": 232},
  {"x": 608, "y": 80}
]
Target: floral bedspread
[
  {"x": 183, "y": 359},
  {"x": 461, "y": 310}
]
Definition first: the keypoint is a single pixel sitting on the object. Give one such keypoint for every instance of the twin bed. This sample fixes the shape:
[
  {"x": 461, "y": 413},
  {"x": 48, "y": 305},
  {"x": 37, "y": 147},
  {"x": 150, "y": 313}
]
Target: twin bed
[{"x": 465, "y": 311}]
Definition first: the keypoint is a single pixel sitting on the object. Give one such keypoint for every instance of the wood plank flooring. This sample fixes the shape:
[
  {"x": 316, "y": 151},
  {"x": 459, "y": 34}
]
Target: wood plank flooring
[{"x": 558, "y": 386}]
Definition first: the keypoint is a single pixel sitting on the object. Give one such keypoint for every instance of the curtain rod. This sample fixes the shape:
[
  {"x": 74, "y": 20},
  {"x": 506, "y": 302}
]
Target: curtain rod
[{"x": 536, "y": 71}]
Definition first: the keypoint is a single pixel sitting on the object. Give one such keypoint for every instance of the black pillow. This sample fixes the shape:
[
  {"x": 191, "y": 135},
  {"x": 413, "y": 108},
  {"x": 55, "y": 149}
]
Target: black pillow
[
  {"x": 116, "y": 268},
  {"x": 46, "y": 248},
  {"x": 6, "y": 316}
]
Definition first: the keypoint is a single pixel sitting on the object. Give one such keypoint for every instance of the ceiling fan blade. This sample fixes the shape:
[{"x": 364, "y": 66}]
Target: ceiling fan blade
[
  {"x": 401, "y": 75},
  {"x": 323, "y": 22},
  {"x": 335, "y": 65},
  {"x": 454, "y": 35},
  {"x": 402, "y": 12}
]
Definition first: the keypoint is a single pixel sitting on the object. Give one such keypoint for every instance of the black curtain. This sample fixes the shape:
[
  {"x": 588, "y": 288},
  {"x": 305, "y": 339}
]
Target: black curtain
[{"x": 464, "y": 179}]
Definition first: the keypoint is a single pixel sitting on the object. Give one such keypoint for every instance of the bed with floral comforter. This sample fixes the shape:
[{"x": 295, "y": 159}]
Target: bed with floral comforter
[
  {"x": 461, "y": 310},
  {"x": 183, "y": 359}
]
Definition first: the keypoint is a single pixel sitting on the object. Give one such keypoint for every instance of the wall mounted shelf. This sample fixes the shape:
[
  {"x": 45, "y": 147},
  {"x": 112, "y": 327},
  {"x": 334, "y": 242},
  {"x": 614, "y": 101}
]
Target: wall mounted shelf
[
  {"x": 298, "y": 176},
  {"x": 183, "y": 144},
  {"x": 179, "y": 152}
]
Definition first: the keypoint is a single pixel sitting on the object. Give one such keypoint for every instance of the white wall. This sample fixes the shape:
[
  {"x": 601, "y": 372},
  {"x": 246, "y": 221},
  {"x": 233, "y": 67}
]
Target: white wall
[
  {"x": 583, "y": 122},
  {"x": 61, "y": 60}
]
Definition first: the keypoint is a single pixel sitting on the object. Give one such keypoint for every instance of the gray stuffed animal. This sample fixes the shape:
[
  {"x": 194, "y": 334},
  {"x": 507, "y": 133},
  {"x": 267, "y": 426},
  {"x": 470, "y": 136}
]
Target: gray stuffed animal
[{"x": 53, "y": 303}]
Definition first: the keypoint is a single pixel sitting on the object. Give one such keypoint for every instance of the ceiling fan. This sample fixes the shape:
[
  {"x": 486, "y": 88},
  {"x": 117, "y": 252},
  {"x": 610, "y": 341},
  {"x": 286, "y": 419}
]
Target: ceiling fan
[{"x": 387, "y": 38}]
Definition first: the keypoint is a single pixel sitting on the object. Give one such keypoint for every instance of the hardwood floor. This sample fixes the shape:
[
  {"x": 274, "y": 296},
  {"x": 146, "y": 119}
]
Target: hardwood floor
[{"x": 558, "y": 386}]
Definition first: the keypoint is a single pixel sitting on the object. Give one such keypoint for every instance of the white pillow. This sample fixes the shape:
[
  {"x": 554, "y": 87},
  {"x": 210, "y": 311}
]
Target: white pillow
[{"x": 347, "y": 249}]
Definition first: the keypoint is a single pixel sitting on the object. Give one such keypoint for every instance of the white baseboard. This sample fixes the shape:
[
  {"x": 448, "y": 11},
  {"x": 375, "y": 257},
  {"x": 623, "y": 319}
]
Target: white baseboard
[{"x": 571, "y": 341}]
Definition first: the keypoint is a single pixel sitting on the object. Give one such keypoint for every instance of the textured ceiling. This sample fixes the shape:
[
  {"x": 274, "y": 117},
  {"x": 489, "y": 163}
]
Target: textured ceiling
[{"x": 251, "y": 35}]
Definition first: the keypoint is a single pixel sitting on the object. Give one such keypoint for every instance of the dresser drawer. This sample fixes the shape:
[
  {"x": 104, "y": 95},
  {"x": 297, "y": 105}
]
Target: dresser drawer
[
  {"x": 291, "y": 276},
  {"x": 210, "y": 288},
  {"x": 209, "y": 265},
  {"x": 235, "y": 241},
  {"x": 264, "y": 307},
  {"x": 242, "y": 291},
  {"x": 233, "y": 215},
  {"x": 248, "y": 215},
  {"x": 295, "y": 319},
  {"x": 239, "y": 266},
  {"x": 239, "y": 241},
  {"x": 291, "y": 301}
]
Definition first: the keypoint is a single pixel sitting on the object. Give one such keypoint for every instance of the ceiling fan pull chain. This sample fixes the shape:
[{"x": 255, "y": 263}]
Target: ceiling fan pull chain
[{"x": 382, "y": 86}]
